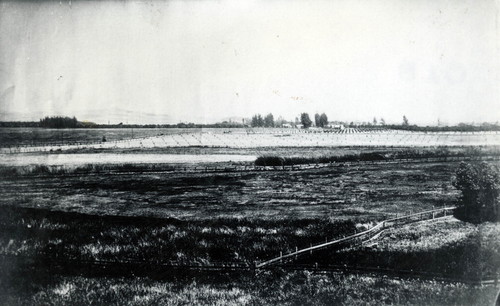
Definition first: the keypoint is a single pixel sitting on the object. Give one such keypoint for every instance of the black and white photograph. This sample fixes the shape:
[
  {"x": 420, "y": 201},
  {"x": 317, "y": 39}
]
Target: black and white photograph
[{"x": 250, "y": 152}]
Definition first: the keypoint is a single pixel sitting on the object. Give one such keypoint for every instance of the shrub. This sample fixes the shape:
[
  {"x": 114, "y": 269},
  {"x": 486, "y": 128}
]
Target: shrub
[
  {"x": 479, "y": 184},
  {"x": 288, "y": 161}
]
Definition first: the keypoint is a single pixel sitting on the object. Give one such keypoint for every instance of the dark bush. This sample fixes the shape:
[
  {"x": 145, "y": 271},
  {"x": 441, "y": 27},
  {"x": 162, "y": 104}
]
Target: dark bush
[
  {"x": 289, "y": 161},
  {"x": 479, "y": 184}
]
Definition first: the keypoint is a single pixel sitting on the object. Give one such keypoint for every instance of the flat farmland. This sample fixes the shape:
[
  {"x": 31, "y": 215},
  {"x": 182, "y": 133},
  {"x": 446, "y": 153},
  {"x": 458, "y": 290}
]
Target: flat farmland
[
  {"x": 43, "y": 136},
  {"x": 13, "y": 141},
  {"x": 351, "y": 191},
  {"x": 207, "y": 219},
  {"x": 114, "y": 217},
  {"x": 201, "y": 217},
  {"x": 211, "y": 214}
]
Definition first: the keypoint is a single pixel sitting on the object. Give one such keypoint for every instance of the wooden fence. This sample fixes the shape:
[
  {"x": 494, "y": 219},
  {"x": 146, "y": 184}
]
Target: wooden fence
[
  {"x": 364, "y": 236},
  {"x": 197, "y": 168}
]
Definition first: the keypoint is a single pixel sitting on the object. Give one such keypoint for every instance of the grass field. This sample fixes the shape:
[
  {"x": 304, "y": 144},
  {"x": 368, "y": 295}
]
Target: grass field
[
  {"x": 43, "y": 136},
  {"x": 36, "y": 140},
  {"x": 205, "y": 219},
  {"x": 41, "y": 234},
  {"x": 271, "y": 288},
  {"x": 57, "y": 222},
  {"x": 451, "y": 247},
  {"x": 358, "y": 192}
]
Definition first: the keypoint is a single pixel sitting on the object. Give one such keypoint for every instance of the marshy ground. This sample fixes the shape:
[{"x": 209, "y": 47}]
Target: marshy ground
[{"x": 55, "y": 225}]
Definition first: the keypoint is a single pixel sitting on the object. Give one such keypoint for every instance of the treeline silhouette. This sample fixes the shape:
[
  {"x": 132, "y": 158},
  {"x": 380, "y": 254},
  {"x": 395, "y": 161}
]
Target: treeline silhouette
[
  {"x": 461, "y": 127},
  {"x": 257, "y": 121},
  {"x": 59, "y": 122},
  {"x": 52, "y": 122}
]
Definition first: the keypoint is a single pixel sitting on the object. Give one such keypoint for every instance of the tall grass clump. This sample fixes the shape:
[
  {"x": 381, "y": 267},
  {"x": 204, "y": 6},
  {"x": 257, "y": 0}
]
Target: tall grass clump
[
  {"x": 270, "y": 288},
  {"x": 41, "y": 169},
  {"x": 271, "y": 160},
  {"x": 76, "y": 236},
  {"x": 401, "y": 153}
]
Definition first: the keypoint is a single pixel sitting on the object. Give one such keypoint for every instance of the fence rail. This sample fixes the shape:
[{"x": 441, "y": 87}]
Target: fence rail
[
  {"x": 285, "y": 138},
  {"x": 363, "y": 236},
  {"x": 161, "y": 168},
  {"x": 487, "y": 279},
  {"x": 125, "y": 267}
]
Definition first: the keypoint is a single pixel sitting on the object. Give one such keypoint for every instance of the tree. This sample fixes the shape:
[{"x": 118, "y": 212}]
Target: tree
[
  {"x": 305, "y": 120},
  {"x": 374, "y": 121},
  {"x": 260, "y": 120},
  {"x": 323, "y": 120},
  {"x": 59, "y": 122},
  {"x": 254, "y": 122},
  {"x": 316, "y": 120},
  {"x": 257, "y": 121},
  {"x": 405, "y": 121},
  {"x": 382, "y": 121},
  {"x": 479, "y": 184},
  {"x": 269, "y": 120}
]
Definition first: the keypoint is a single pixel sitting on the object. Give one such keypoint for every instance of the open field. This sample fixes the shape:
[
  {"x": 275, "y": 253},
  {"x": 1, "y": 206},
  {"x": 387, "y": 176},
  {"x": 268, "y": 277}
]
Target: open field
[
  {"x": 448, "y": 246},
  {"x": 270, "y": 288},
  {"x": 239, "y": 138},
  {"x": 44, "y": 235},
  {"x": 359, "y": 191},
  {"x": 81, "y": 159},
  {"x": 42, "y": 136},
  {"x": 56, "y": 243},
  {"x": 208, "y": 219},
  {"x": 117, "y": 222}
]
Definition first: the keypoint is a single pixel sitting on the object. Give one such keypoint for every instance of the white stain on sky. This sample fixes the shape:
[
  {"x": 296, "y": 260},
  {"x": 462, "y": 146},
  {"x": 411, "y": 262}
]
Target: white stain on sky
[{"x": 203, "y": 61}]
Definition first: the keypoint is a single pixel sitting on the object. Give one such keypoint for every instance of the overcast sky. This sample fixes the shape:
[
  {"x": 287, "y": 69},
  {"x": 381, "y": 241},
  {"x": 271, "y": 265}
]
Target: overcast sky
[{"x": 203, "y": 61}]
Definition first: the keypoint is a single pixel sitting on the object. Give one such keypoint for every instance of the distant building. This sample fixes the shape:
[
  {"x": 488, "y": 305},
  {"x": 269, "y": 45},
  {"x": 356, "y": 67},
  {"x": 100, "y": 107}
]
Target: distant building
[
  {"x": 287, "y": 125},
  {"x": 336, "y": 126}
]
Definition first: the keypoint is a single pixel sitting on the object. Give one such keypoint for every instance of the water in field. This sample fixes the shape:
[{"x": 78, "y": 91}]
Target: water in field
[{"x": 105, "y": 158}]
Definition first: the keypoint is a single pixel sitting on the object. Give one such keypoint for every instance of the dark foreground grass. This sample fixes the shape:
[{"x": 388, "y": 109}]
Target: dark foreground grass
[
  {"x": 65, "y": 239},
  {"x": 40, "y": 234},
  {"x": 269, "y": 288}
]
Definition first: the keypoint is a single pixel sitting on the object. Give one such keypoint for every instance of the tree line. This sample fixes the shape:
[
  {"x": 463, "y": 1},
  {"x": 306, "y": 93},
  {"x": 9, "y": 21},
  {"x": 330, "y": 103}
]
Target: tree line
[
  {"x": 268, "y": 121},
  {"x": 58, "y": 122},
  {"x": 258, "y": 120}
]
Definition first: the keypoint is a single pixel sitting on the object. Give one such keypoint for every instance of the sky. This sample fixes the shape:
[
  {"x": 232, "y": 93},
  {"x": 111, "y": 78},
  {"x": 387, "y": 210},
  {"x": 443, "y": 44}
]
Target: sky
[{"x": 209, "y": 60}]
